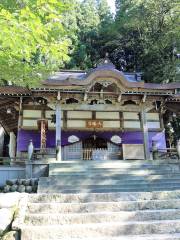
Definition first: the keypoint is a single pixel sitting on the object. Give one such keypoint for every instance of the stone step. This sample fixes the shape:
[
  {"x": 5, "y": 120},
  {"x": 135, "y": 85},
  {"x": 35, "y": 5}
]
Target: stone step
[
  {"x": 104, "y": 190},
  {"x": 103, "y": 181},
  {"x": 114, "y": 176},
  {"x": 97, "y": 186},
  {"x": 103, "y": 197},
  {"x": 56, "y": 207},
  {"x": 137, "y": 172},
  {"x": 112, "y": 229},
  {"x": 116, "y": 162},
  {"x": 113, "y": 166},
  {"x": 111, "y": 174},
  {"x": 175, "y": 236},
  {"x": 101, "y": 217}
]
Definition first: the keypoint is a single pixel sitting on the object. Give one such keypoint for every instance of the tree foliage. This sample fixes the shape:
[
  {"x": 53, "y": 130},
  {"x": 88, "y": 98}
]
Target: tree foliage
[
  {"x": 144, "y": 36},
  {"x": 93, "y": 20},
  {"x": 147, "y": 34},
  {"x": 172, "y": 126},
  {"x": 33, "y": 41},
  {"x": 39, "y": 36}
]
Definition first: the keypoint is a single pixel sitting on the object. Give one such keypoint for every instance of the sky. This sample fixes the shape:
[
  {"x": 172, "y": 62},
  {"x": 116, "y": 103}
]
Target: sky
[{"x": 112, "y": 5}]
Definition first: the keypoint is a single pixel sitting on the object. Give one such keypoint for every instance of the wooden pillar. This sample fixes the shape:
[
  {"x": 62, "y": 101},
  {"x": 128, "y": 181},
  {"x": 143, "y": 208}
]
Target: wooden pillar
[
  {"x": 58, "y": 127},
  {"x": 20, "y": 118},
  {"x": 144, "y": 128},
  {"x": 20, "y": 121},
  {"x": 161, "y": 120}
]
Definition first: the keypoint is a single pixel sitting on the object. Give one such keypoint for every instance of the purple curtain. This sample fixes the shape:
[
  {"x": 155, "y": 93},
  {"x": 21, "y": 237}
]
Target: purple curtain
[{"x": 133, "y": 137}]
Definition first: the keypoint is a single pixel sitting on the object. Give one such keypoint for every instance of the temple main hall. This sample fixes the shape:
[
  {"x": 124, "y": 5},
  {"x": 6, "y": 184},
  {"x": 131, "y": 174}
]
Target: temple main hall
[{"x": 102, "y": 113}]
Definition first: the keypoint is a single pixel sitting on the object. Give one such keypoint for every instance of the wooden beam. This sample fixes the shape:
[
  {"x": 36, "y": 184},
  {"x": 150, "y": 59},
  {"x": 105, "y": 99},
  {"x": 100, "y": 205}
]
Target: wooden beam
[{"x": 20, "y": 117}]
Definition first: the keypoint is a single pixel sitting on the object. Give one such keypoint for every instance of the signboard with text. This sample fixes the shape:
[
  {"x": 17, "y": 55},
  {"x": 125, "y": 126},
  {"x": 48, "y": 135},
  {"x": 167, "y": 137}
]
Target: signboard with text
[{"x": 94, "y": 124}]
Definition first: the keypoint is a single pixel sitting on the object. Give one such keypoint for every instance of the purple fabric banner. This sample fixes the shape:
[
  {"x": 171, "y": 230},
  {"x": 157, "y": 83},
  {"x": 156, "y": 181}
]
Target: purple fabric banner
[{"x": 133, "y": 137}]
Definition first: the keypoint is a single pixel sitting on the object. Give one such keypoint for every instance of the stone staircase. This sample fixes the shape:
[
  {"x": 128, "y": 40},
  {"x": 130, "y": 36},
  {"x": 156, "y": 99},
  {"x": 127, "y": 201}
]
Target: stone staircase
[
  {"x": 110, "y": 176},
  {"x": 112, "y": 200}
]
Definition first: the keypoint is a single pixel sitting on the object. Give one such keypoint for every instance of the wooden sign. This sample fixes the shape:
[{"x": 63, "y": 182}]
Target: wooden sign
[
  {"x": 43, "y": 127},
  {"x": 94, "y": 124}
]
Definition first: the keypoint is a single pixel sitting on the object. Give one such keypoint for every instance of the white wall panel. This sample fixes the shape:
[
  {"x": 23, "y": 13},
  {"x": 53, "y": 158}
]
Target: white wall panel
[
  {"x": 153, "y": 116},
  {"x": 76, "y": 124},
  {"x": 130, "y": 115},
  {"x": 32, "y": 114},
  {"x": 154, "y": 125},
  {"x": 107, "y": 115},
  {"x": 132, "y": 124},
  {"x": 111, "y": 124},
  {"x": 79, "y": 114},
  {"x": 133, "y": 151},
  {"x": 30, "y": 123}
]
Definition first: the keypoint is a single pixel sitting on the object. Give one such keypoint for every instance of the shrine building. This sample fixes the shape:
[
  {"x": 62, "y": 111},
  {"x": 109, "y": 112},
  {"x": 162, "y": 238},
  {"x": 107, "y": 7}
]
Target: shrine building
[{"x": 102, "y": 113}]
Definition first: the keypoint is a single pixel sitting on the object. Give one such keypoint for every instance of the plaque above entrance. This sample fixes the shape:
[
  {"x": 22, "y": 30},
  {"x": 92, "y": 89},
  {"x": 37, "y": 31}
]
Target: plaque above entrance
[{"x": 94, "y": 124}]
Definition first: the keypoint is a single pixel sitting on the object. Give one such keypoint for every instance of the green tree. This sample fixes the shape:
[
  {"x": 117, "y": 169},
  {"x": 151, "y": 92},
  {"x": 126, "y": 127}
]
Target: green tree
[
  {"x": 105, "y": 27},
  {"x": 70, "y": 23},
  {"x": 88, "y": 22},
  {"x": 146, "y": 33},
  {"x": 104, "y": 12},
  {"x": 93, "y": 20},
  {"x": 33, "y": 41}
]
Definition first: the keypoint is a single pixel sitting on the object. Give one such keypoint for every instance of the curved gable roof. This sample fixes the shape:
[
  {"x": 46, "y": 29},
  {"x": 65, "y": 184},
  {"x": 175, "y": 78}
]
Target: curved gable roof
[{"x": 82, "y": 78}]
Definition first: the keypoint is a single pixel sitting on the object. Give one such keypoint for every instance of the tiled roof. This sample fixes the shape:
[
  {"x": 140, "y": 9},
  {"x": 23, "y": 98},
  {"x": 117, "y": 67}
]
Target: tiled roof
[
  {"x": 64, "y": 75},
  {"x": 14, "y": 90},
  {"x": 67, "y": 78},
  {"x": 61, "y": 76},
  {"x": 80, "y": 78}
]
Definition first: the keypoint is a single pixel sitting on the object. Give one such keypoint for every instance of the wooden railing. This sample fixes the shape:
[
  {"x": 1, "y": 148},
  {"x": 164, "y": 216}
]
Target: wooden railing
[
  {"x": 165, "y": 153},
  {"x": 99, "y": 154},
  {"x": 168, "y": 153},
  {"x": 87, "y": 154},
  {"x": 46, "y": 152}
]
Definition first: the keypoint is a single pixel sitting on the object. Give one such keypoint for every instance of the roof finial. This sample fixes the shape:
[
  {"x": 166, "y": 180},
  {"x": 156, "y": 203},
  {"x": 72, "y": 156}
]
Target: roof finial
[{"x": 105, "y": 63}]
